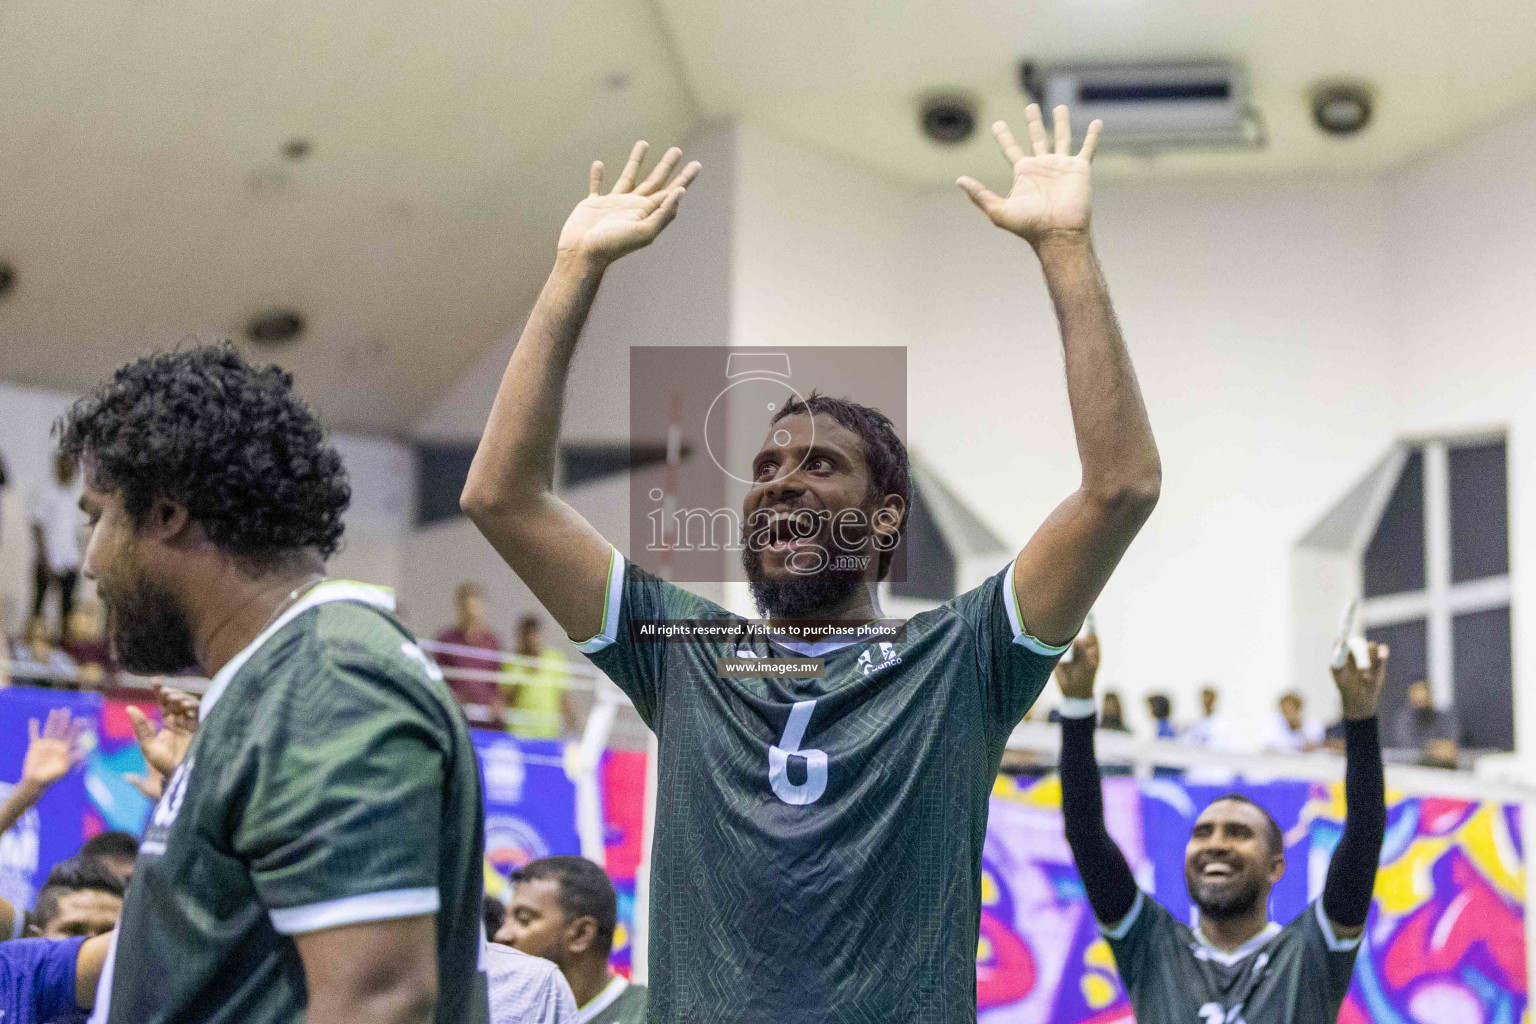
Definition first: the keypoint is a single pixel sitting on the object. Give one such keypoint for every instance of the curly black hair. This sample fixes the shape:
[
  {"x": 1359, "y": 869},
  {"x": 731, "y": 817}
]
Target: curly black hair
[
  {"x": 229, "y": 441},
  {"x": 890, "y": 470}
]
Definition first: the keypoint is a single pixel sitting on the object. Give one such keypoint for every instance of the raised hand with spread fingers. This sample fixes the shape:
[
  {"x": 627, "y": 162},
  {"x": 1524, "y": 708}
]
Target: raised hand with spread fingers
[
  {"x": 606, "y": 226},
  {"x": 1050, "y": 191},
  {"x": 52, "y": 750}
]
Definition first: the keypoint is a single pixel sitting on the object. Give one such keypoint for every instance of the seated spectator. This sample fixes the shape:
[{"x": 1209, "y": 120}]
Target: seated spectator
[
  {"x": 117, "y": 850},
  {"x": 51, "y": 752},
  {"x": 1206, "y": 731},
  {"x": 565, "y": 909},
  {"x": 1434, "y": 732},
  {"x": 470, "y": 629},
  {"x": 1160, "y": 707},
  {"x": 87, "y": 644},
  {"x": 538, "y": 698},
  {"x": 1112, "y": 716},
  {"x": 37, "y": 657},
  {"x": 81, "y": 898},
  {"x": 1289, "y": 732}
]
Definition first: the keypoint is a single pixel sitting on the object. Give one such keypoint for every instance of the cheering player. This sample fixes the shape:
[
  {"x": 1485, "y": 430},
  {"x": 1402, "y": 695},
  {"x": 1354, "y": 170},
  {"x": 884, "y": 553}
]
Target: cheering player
[
  {"x": 818, "y": 841},
  {"x": 1235, "y": 965}
]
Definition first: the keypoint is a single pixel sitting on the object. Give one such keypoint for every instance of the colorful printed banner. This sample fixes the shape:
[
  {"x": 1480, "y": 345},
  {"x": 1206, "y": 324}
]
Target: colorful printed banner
[{"x": 1445, "y": 941}]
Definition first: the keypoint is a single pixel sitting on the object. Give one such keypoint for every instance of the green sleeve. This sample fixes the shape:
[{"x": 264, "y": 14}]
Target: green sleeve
[
  {"x": 638, "y": 665},
  {"x": 343, "y": 773},
  {"x": 1014, "y": 666}
]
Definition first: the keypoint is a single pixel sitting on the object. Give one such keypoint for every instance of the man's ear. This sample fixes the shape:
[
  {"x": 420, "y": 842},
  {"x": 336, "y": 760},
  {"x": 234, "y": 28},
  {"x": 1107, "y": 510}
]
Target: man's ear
[
  {"x": 166, "y": 521},
  {"x": 580, "y": 934},
  {"x": 1276, "y": 868},
  {"x": 888, "y": 517}
]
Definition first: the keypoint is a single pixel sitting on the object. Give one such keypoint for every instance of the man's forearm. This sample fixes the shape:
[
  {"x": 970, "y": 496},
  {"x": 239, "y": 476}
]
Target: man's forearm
[
  {"x": 1107, "y": 878},
  {"x": 516, "y": 456},
  {"x": 23, "y": 797},
  {"x": 1352, "y": 870},
  {"x": 1114, "y": 437}
]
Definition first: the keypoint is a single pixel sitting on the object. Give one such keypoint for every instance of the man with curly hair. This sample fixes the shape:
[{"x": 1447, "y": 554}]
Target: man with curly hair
[{"x": 316, "y": 854}]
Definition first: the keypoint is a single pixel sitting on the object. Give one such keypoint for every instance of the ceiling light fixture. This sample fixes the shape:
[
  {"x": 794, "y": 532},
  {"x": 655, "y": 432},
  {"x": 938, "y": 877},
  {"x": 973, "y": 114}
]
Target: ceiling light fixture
[
  {"x": 948, "y": 119},
  {"x": 1341, "y": 108},
  {"x": 275, "y": 327}
]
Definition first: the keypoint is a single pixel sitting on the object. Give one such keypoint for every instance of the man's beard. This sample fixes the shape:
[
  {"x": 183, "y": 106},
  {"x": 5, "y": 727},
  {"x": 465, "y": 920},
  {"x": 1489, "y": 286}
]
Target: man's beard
[
  {"x": 149, "y": 632},
  {"x": 1232, "y": 903},
  {"x": 812, "y": 595}
]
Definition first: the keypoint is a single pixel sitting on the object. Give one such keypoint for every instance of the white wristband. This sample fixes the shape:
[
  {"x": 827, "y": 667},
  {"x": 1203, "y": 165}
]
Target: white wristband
[{"x": 1077, "y": 707}]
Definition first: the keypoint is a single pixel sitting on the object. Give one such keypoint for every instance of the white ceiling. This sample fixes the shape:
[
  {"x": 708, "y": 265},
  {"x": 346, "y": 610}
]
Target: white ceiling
[{"x": 144, "y": 197}]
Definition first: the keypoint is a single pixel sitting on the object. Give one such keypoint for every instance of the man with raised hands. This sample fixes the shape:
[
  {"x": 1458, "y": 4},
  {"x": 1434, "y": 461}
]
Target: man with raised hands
[
  {"x": 1235, "y": 966},
  {"x": 818, "y": 841}
]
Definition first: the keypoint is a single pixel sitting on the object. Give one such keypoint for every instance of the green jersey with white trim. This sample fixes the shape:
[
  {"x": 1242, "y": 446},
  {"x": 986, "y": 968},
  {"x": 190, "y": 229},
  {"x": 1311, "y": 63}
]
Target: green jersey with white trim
[
  {"x": 1298, "y": 974},
  {"x": 331, "y": 781},
  {"x": 817, "y": 852}
]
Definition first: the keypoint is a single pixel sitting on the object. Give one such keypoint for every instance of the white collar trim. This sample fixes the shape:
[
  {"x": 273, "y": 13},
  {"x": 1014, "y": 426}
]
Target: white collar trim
[
  {"x": 1210, "y": 952},
  {"x": 604, "y": 999},
  {"x": 323, "y": 592}
]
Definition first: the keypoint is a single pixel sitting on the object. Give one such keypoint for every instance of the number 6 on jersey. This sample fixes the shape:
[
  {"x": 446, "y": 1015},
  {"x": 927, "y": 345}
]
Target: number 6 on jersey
[{"x": 809, "y": 791}]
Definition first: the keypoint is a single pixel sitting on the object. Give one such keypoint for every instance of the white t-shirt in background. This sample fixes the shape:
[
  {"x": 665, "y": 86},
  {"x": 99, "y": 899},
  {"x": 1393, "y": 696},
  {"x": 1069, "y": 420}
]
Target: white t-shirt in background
[{"x": 56, "y": 508}]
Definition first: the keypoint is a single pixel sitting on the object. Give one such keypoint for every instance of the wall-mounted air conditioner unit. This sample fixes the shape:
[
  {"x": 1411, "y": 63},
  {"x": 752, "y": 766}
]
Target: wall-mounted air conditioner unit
[{"x": 1153, "y": 107}]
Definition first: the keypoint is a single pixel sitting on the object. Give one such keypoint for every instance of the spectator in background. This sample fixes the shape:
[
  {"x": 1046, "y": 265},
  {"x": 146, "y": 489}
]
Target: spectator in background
[
  {"x": 1290, "y": 732},
  {"x": 51, "y": 752},
  {"x": 117, "y": 851},
  {"x": 81, "y": 898},
  {"x": 1161, "y": 710},
  {"x": 565, "y": 909},
  {"x": 538, "y": 698},
  {"x": 470, "y": 629},
  {"x": 87, "y": 644},
  {"x": 1112, "y": 717},
  {"x": 37, "y": 657},
  {"x": 1434, "y": 732},
  {"x": 56, "y": 521},
  {"x": 1209, "y": 730}
]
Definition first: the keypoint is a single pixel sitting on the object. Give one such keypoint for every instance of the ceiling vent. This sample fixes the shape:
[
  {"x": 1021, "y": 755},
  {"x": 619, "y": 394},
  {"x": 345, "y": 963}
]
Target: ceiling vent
[{"x": 1153, "y": 107}]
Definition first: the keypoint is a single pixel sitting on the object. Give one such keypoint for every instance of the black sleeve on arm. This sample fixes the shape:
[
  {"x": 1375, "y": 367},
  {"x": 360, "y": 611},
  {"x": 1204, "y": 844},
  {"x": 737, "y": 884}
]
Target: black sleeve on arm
[
  {"x": 1106, "y": 876},
  {"x": 1352, "y": 871}
]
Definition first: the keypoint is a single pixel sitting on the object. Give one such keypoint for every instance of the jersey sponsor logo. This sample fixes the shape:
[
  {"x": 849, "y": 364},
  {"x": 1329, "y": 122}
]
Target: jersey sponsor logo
[
  {"x": 815, "y": 784},
  {"x": 868, "y": 662},
  {"x": 167, "y": 809},
  {"x": 419, "y": 656}
]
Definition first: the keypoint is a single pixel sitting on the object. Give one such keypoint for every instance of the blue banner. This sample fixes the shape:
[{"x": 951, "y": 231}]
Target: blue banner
[
  {"x": 54, "y": 829},
  {"x": 530, "y": 804}
]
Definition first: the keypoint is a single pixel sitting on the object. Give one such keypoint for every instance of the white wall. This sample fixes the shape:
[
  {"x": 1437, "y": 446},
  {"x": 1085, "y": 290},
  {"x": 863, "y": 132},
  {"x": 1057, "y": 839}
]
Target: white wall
[
  {"x": 1256, "y": 317},
  {"x": 1462, "y": 257}
]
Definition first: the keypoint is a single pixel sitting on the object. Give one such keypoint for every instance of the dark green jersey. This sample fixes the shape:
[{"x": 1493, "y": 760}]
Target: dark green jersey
[
  {"x": 817, "y": 853},
  {"x": 331, "y": 782},
  {"x": 619, "y": 1003},
  {"x": 1292, "y": 975}
]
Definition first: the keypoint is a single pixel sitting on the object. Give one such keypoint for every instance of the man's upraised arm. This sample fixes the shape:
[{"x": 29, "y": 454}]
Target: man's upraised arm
[
  {"x": 1066, "y": 563},
  {"x": 1352, "y": 870},
  {"x": 509, "y": 493},
  {"x": 1107, "y": 877}
]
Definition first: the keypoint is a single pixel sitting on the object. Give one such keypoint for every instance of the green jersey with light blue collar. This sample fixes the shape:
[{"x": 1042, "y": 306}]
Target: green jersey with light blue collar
[
  {"x": 331, "y": 782},
  {"x": 817, "y": 852},
  {"x": 1298, "y": 974}
]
